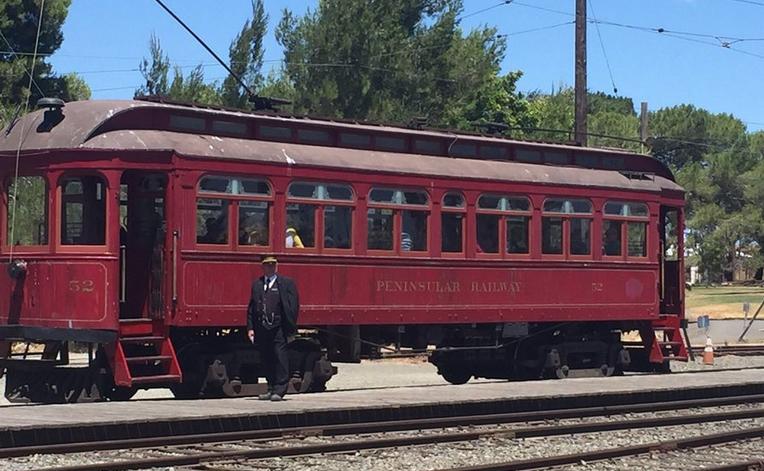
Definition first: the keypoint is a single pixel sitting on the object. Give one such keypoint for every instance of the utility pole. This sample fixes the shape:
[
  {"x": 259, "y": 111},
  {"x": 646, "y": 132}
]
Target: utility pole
[
  {"x": 643, "y": 134},
  {"x": 581, "y": 101}
]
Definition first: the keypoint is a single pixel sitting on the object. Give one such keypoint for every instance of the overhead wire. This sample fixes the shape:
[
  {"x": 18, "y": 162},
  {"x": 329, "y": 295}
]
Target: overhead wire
[
  {"x": 11, "y": 51},
  {"x": 504, "y": 2},
  {"x": 602, "y": 46},
  {"x": 22, "y": 133}
]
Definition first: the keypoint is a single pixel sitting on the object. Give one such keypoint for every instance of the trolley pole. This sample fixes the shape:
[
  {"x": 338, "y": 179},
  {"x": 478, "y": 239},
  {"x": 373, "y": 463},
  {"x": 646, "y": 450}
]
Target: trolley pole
[{"x": 581, "y": 98}]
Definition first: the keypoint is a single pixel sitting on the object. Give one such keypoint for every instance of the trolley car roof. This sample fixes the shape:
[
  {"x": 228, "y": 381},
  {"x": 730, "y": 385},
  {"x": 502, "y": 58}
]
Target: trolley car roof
[{"x": 101, "y": 125}]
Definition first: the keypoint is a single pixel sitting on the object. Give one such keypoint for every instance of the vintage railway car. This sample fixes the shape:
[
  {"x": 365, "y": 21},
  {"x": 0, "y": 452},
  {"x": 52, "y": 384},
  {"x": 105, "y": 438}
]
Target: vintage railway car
[{"x": 136, "y": 227}]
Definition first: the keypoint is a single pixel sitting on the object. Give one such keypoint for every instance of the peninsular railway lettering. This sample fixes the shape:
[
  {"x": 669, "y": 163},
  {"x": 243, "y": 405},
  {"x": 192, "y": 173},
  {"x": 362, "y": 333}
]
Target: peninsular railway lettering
[
  {"x": 419, "y": 286},
  {"x": 395, "y": 286}
]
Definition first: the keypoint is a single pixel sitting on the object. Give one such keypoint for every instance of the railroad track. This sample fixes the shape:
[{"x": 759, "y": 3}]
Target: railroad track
[
  {"x": 233, "y": 449},
  {"x": 735, "y": 349}
]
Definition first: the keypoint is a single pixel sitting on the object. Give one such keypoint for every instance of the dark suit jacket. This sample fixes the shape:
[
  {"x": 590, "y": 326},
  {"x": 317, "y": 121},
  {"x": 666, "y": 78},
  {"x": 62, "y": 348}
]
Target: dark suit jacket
[{"x": 289, "y": 300}]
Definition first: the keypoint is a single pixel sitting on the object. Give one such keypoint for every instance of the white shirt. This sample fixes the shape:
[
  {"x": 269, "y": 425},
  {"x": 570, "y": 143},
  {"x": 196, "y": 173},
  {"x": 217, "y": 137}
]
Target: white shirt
[{"x": 269, "y": 281}]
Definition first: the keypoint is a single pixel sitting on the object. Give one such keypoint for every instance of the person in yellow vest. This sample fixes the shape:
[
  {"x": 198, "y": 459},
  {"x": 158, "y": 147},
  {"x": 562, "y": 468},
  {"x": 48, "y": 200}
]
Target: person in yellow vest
[{"x": 292, "y": 239}]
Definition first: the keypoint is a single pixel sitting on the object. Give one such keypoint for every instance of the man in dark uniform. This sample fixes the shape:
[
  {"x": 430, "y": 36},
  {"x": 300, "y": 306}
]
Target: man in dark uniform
[{"x": 272, "y": 321}]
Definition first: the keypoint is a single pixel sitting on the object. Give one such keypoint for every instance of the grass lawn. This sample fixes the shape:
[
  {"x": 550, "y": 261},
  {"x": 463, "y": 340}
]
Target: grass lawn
[{"x": 723, "y": 302}]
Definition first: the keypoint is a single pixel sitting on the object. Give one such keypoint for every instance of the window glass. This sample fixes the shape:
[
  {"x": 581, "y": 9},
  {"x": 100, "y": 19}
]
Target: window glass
[
  {"x": 613, "y": 163},
  {"x": 275, "y": 132},
  {"x": 31, "y": 222},
  {"x": 312, "y": 135},
  {"x": 637, "y": 239},
  {"x": 529, "y": 156},
  {"x": 230, "y": 185},
  {"x": 671, "y": 235},
  {"x": 493, "y": 152},
  {"x": 187, "y": 123},
  {"x": 339, "y": 192},
  {"x": 488, "y": 233},
  {"x": 254, "y": 223},
  {"x": 551, "y": 235},
  {"x": 451, "y": 232},
  {"x": 392, "y": 196},
  {"x": 216, "y": 184},
  {"x": 558, "y": 205},
  {"x": 427, "y": 146},
  {"x": 626, "y": 209},
  {"x": 303, "y": 190},
  {"x": 83, "y": 215},
  {"x": 301, "y": 225},
  {"x": 380, "y": 228},
  {"x": 212, "y": 221},
  {"x": 453, "y": 200},
  {"x": 390, "y": 143},
  {"x": 414, "y": 234},
  {"x": 587, "y": 160},
  {"x": 254, "y": 187},
  {"x": 580, "y": 240},
  {"x": 557, "y": 158},
  {"x": 504, "y": 203},
  {"x": 463, "y": 149},
  {"x": 355, "y": 140},
  {"x": 611, "y": 238},
  {"x": 229, "y": 127},
  {"x": 517, "y": 234},
  {"x": 338, "y": 222}
]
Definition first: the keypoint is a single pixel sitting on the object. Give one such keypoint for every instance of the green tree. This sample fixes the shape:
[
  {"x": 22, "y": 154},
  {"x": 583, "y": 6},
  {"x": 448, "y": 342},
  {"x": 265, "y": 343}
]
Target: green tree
[
  {"x": 395, "y": 60},
  {"x": 246, "y": 58},
  {"x": 18, "y": 24}
]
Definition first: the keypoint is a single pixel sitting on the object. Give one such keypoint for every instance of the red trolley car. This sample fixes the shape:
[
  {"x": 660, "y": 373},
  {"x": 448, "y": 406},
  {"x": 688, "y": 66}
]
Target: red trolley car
[{"x": 136, "y": 228}]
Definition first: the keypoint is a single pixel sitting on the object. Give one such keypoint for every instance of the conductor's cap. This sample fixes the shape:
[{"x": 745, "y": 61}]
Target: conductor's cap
[{"x": 269, "y": 259}]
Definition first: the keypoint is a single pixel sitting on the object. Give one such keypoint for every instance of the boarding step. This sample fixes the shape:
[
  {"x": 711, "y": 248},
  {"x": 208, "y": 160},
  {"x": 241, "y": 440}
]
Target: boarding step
[
  {"x": 158, "y": 379},
  {"x": 149, "y": 359},
  {"x": 144, "y": 340},
  {"x": 136, "y": 327},
  {"x": 667, "y": 343}
]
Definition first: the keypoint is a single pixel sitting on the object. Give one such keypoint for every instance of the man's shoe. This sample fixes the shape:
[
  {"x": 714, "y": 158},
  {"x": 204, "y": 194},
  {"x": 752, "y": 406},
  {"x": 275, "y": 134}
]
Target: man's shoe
[
  {"x": 276, "y": 398},
  {"x": 265, "y": 397}
]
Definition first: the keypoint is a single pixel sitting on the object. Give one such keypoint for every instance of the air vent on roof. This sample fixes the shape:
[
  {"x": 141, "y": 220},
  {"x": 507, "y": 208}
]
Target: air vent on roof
[{"x": 638, "y": 175}]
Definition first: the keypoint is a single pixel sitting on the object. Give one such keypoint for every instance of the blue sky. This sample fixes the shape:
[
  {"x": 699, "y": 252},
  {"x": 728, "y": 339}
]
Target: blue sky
[{"x": 104, "y": 41}]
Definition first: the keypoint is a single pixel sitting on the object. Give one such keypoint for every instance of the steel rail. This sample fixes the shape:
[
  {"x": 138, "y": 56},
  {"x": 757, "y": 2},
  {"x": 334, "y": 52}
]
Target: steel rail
[
  {"x": 377, "y": 427},
  {"x": 377, "y": 443},
  {"x": 753, "y": 465},
  {"x": 620, "y": 452}
]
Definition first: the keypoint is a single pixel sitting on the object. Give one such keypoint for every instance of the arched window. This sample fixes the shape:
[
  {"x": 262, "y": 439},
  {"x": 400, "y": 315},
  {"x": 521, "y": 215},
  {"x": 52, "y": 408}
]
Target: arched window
[
  {"x": 503, "y": 221},
  {"x": 311, "y": 202},
  {"x": 631, "y": 216},
  {"x": 30, "y": 226},
  {"x": 397, "y": 219},
  {"x": 248, "y": 199},
  {"x": 571, "y": 216}
]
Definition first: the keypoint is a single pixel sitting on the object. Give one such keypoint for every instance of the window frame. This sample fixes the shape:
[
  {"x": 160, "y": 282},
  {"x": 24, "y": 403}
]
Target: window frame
[
  {"x": 60, "y": 208},
  {"x": 52, "y": 232},
  {"x": 504, "y": 215},
  {"x": 319, "y": 225},
  {"x": 625, "y": 220},
  {"x": 233, "y": 213},
  {"x": 567, "y": 253},
  {"x": 454, "y": 210},
  {"x": 398, "y": 209}
]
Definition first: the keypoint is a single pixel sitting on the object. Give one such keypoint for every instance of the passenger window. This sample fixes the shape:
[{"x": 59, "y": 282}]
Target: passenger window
[
  {"x": 611, "y": 238},
  {"x": 637, "y": 239},
  {"x": 301, "y": 225},
  {"x": 83, "y": 211},
  {"x": 488, "y": 233},
  {"x": 517, "y": 234},
  {"x": 338, "y": 221},
  {"x": 452, "y": 223},
  {"x": 380, "y": 229},
  {"x": 254, "y": 223},
  {"x": 551, "y": 235},
  {"x": 580, "y": 239},
  {"x": 212, "y": 221},
  {"x": 30, "y": 226},
  {"x": 414, "y": 234}
]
